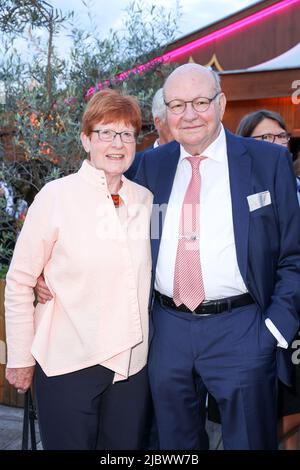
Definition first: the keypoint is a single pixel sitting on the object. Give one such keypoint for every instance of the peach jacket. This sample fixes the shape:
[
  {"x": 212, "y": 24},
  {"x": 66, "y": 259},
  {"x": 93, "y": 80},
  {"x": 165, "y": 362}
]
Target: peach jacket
[{"x": 97, "y": 263}]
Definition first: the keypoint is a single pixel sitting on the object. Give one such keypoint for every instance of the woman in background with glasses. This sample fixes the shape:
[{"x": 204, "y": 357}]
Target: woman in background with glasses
[
  {"x": 89, "y": 234},
  {"x": 269, "y": 126},
  {"x": 264, "y": 125}
]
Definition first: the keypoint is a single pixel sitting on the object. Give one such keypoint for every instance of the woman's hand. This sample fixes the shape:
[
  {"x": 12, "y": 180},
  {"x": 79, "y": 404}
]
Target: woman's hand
[
  {"x": 20, "y": 377},
  {"x": 41, "y": 290}
]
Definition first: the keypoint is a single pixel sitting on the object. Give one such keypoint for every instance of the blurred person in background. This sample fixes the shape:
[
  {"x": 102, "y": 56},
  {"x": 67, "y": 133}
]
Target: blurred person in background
[
  {"x": 159, "y": 115},
  {"x": 297, "y": 173},
  {"x": 269, "y": 126}
]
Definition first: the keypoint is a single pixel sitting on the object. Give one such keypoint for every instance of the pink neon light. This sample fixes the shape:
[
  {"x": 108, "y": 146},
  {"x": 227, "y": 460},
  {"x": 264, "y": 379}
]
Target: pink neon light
[
  {"x": 169, "y": 56},
  {"x": 231, "y": 28}
]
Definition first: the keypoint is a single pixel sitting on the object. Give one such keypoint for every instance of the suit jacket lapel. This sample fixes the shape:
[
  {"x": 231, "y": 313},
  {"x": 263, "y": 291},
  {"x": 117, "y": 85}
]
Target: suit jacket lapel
[
  {"x": 239, "y": 164},
  {"x": 163, "y": 188}
]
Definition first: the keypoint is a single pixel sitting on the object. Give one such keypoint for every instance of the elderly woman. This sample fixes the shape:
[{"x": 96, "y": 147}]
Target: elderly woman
[{"x": 89, "y": 234}]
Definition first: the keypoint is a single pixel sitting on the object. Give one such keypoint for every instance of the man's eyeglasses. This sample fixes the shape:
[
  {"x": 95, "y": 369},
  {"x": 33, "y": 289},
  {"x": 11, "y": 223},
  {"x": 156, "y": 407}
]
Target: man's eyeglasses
[
  {"x": 108, "y": 135},
  {"x": 200, "y": 104},
  {"x": 283, "y": 137}
]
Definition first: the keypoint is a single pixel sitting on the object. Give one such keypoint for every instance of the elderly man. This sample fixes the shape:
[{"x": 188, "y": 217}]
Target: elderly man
[{"x": 227, "y": 271}]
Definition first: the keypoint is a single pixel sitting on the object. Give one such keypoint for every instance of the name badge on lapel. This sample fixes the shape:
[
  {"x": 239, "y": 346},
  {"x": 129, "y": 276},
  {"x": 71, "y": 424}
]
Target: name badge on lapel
[{"x": 258, "y": 200}]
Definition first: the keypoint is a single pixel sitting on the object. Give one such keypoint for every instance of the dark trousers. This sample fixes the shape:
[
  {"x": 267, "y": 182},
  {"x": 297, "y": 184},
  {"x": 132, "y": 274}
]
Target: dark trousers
[
  {"x": 233, "y": 356},
  {"x": 84, "y": 410}
]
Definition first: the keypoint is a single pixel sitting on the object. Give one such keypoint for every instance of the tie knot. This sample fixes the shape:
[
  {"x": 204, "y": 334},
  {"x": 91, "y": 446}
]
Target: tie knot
[{"x": 195, "y": 161}]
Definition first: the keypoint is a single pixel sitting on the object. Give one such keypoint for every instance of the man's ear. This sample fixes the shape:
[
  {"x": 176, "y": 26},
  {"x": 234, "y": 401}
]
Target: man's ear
[
  {"x": 86, "y": 142},
  {"x": 157, "y": 123},
  {"x": 222, "y": 104}
]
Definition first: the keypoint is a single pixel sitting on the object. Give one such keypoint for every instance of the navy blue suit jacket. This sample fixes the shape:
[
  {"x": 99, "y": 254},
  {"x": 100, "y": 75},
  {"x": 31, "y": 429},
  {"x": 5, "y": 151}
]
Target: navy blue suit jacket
[
  {"x": 267, "y": 239},
  {"x": 133, "y": 169}
]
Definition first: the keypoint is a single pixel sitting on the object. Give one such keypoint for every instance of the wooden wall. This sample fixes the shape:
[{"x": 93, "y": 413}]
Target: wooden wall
[{"x": 290, "y": 112}]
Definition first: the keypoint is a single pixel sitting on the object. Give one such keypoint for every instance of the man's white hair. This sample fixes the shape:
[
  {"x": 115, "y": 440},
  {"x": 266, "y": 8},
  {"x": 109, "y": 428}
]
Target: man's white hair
[
  {"x": 217, "y": 79},
  {"x": 159, "y": 108}
]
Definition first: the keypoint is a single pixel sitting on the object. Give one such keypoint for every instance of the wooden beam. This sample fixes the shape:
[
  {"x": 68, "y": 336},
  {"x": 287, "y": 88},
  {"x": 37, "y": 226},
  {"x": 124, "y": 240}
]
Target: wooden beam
[
  {"x": 257, "y": 85},
  {"x": 244, "y": 13}
]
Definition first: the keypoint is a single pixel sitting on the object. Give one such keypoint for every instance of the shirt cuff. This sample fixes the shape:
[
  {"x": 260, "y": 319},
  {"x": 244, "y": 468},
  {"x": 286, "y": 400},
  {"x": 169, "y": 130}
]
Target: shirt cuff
[{"x": 282, "y": 343}]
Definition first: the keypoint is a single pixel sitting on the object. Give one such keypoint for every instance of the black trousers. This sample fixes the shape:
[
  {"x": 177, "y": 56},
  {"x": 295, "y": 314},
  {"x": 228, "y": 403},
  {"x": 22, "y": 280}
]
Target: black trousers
[
  {"x": 233, "y": 356},
  {"x": 84, "y": 410}
]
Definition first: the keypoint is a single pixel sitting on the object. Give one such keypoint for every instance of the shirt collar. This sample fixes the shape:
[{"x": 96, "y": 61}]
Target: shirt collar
[
  {"x": 215, "y": 151},
  {"x": 124, "y": 191},
  {"x": 98, "y": 179},
  {"x": 92, "y": 175}
]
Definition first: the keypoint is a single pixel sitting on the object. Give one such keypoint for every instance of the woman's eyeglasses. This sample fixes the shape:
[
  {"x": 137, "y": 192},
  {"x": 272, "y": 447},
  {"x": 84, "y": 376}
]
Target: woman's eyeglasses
[{"x": 108, "y": 135}]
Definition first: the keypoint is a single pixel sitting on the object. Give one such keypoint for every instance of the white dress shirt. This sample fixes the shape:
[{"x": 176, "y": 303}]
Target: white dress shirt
[
  {"x": 221, "y": 275},
  {"x": 220, "y": 271}
]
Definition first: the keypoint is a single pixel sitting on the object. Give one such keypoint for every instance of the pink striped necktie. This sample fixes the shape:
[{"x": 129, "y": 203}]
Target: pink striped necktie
[{"x": 188, "y": 281}]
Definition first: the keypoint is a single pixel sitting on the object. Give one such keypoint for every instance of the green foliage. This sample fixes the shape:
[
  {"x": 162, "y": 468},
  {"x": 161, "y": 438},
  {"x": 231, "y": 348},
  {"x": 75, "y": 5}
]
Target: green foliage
[
  {"x": 3, "y": 271},
  {"x": 16, "y": 15},
  {"x": 143, "y": 36},
  {"x": 45, "y": 96}
]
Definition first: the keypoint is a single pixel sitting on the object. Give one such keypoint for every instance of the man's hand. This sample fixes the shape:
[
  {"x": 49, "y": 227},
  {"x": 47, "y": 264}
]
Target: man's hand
[
  {"x": 20, "y": 377},
  {"x": 41, "y": 290}
]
